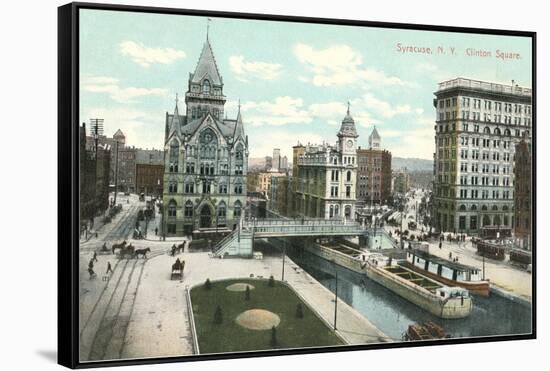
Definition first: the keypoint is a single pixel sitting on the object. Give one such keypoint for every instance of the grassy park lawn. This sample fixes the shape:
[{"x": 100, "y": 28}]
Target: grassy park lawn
[{"x": 278, "y": 301}]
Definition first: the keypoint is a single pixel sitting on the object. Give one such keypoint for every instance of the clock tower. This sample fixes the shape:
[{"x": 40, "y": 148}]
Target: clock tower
[{"x": 347, "y": 139}]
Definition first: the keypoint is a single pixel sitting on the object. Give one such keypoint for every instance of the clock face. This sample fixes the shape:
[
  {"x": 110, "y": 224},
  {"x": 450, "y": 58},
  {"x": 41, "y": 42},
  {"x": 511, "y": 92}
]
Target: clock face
[{"x": 349, "y": 143}]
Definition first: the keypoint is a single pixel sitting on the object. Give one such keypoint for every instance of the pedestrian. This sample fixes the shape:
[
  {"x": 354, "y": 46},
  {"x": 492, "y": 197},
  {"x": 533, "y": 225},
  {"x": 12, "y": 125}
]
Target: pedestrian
[
  {"x": 156, "y": 231},
  {"x": 440, "y": 245},
  {"x": 95, "y": 256},
  {"x": 174, "y": 250},
  {"x": 109, "y": 268},
  {"x": 113, "y": 249},
  {"x": 91, "y": 264},
  {"x": 450, "y": 255}
]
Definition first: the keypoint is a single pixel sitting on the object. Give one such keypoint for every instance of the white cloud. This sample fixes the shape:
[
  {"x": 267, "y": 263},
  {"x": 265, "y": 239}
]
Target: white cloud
[
  {"x": 111, "y": 86},
  {"x": 262, "y": 145},
  {"x": 330, "y": 109},
  {"x": 340, "y": 65},
  {"x": 247, "y": 70},
  {"x": 281, "y": 111},
  {"x": 383, "y": 108},
  {"x": 145, "y": 56}
]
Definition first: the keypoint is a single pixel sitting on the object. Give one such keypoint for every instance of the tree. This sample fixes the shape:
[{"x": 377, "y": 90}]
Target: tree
[
  {"x": 247, "y": 293},
  {"x": 218, "y": 315},
  {"x": 271, "y": 282},
  {"x": 299, "y": 311},
  {"x": 273, "y": 341},
  {"x": 208, "y": 284}
]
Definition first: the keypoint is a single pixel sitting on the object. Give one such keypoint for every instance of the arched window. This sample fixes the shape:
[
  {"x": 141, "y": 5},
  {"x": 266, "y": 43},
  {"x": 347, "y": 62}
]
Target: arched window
[
  {"x": 206, "y": 87},
  {"x": 473, "y": 208},
  {"x": 505, "y": 208},
  {"x": 497, "y": 131},
  {"x": 507, "y": 132},
  {"x": 495, "y": 207},
  {"x": 486, "y": 130},
  {"x": 174, "y": 156},
  {"x": 237, "y": 207},
  {"x": 189, "y": 209},
  {"x": 347, "y": 212},
  {"x": 172, "y": 206},
  {"x": 484, "y": 207},
  {"x": 462, "y": 208},
  {"x": 239, "y": 152},
  {"x": 221, "y": 210},
  {"x": 238, "y": 187}
]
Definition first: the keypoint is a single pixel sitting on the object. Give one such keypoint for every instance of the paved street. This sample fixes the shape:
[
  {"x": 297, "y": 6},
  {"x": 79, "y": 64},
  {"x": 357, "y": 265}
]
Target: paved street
[{"x": 138, "y": 310}]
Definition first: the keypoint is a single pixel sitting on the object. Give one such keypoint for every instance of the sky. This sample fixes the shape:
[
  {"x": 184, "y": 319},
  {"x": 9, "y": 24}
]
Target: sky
[{"x": 293, "y": 80}]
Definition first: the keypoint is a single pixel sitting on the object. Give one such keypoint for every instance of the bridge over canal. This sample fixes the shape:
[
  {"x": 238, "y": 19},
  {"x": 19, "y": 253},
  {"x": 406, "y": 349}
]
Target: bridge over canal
[{"x": 239, "y": 242}]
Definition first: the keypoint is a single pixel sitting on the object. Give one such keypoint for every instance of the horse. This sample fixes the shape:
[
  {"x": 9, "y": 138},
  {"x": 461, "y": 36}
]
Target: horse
[
  {"x": 118, "y": 246},
  {"x": 181, "y": 247},
  {"x": 143, "y": 252}
]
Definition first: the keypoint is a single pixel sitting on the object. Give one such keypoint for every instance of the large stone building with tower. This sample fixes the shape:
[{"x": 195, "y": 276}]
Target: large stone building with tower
[
  {"x": 206, "y": 157},
  {"x": 324, "y": 176},
  {"x": 477, "y": 128}
]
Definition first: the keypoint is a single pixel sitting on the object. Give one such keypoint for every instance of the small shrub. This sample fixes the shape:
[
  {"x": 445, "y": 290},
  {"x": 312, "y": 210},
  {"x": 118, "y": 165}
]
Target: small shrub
[
  {"x": 218, "y": 316},
  {"x": 247, "y": 293},
  {"x": 271, "y": 282},
  {"x": 299, "y": 311},
  {"x": 208, "y": 284},
  {"x": 273, "y": 341}
]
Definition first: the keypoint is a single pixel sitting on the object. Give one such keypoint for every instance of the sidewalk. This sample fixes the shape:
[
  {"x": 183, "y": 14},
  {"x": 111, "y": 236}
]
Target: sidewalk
[{"x": 160, "y": 327}]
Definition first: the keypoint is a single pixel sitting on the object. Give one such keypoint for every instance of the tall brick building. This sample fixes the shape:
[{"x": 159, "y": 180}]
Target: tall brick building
[{"x": 373, "y": 172}]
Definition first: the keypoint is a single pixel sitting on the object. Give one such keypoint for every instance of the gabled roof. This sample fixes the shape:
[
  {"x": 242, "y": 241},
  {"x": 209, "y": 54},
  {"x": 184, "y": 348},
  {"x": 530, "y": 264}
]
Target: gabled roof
[
  {"x": 119, "y": 134},
  {"x": 374, "y": 134},
  {"x": 207, "y": 67}
]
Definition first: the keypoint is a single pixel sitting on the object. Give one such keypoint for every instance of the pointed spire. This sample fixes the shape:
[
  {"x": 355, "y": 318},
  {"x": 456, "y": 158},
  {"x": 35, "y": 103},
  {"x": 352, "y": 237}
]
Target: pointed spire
[
  {"x": 347, "y": 128},
  {"x": 207, "y": 67},
  {"x": 208, "y": 20},
  {"x": 239, "y": 127},
  {"x": 174, "y": 123}
]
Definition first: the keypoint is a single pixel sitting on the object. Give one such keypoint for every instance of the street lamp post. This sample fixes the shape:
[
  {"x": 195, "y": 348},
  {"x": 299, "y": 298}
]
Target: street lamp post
[
  {"x": 335, "y": 294},
  {"x": 284, "y": 254}
]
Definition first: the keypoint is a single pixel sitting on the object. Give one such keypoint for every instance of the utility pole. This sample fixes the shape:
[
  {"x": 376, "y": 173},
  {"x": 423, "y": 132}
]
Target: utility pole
[
  {"x": 97, "y": 130},
  {"x": 116, "y": 171}
]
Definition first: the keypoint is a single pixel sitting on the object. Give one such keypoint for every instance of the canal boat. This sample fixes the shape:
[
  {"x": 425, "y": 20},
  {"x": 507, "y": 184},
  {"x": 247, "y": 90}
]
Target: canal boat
[
  {"x": 424, "y": 331},
  {"x": 440, "y": 300},
  {"x": 447, "y": 272}
]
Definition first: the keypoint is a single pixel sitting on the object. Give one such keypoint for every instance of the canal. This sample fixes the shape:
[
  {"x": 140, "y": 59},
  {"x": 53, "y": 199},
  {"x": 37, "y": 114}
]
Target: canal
[{"x": 392, "y": 314}]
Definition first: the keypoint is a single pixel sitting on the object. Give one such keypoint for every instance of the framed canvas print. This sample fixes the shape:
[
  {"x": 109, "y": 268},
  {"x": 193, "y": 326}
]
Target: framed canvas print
[{"x": 236, "y": 185}]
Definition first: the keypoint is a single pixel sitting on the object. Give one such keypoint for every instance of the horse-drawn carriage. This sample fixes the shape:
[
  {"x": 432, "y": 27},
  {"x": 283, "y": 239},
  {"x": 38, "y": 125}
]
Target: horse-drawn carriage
[
  {"x": 177, "y": 270},
  {"x": 129, "y": 251}
]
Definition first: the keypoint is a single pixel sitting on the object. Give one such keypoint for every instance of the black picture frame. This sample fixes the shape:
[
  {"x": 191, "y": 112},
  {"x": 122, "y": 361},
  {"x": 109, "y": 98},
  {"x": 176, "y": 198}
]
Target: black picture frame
[{"x": 68, "y": 181}]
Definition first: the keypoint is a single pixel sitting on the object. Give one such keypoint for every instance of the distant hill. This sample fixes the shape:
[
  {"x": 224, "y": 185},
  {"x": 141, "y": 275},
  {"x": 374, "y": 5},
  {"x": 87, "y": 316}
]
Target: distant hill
[{"x": 412, "y": 164}]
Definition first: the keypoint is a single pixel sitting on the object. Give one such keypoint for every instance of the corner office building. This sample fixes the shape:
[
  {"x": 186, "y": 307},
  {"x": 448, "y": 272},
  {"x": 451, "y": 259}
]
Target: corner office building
[{"x": 477, "y": 128}]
